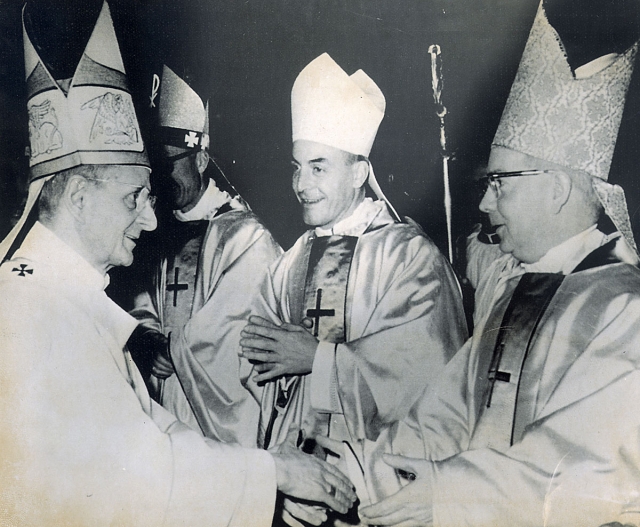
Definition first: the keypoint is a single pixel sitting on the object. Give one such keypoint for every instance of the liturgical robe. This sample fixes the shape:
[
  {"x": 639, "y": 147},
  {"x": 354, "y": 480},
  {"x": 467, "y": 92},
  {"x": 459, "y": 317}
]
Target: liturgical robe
[
  {"x": 400, "y": 318},
  {"x": 201, "y": 299},
  {"x": 82, "y": 442},
  {"x": 536, "y": 420}
]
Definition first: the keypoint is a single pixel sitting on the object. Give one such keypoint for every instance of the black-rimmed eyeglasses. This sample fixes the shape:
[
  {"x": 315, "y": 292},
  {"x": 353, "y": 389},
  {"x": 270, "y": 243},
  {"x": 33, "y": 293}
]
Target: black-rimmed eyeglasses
[{"x": 493, "y": 179}]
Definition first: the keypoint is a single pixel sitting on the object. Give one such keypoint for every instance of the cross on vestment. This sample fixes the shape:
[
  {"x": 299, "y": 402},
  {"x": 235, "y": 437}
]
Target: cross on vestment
[
  {"x": 176, "y": 287},
  {"x": 23, "y": 269},
  {"x": 319, "y": 312},
  {"x": 494, "y": 374},
  {"x": 191, "y": 139}
]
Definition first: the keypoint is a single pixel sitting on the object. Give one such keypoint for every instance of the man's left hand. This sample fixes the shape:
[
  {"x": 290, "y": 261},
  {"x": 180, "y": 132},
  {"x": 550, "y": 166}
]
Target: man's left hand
[
  {"x": 412, "y": 505},
  {"x": 278, "y": 350}
]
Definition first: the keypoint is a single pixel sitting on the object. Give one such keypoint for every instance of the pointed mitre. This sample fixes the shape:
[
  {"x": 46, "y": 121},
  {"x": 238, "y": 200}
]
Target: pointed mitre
[
  {"x": 183, "y": 118},
  {"x": 570, "y": 118},
  {"x": 339, "y": 110},
  {"x": 94, "y": 123},
  {"x": 332, "y": 108}
]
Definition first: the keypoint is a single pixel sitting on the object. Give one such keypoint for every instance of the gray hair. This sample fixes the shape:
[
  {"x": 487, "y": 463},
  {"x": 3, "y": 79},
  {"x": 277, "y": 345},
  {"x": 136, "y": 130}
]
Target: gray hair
[{"x": 53, "y": 190}]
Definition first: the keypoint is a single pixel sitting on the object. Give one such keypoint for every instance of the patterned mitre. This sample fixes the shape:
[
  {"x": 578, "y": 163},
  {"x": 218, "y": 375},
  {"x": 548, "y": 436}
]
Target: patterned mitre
[
  {"x": 93, "y": 123},
  {"x": 570, "y": 118},
  {"x": 339, "y": 110},
  {"x": 183, "y": 118}
]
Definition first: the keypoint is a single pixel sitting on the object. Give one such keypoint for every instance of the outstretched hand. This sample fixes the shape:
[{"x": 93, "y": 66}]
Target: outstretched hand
[
  {"x": 306, "y": 477},
  {"x": 277, "y": 350},
  {"x": 409, "y": 507}
]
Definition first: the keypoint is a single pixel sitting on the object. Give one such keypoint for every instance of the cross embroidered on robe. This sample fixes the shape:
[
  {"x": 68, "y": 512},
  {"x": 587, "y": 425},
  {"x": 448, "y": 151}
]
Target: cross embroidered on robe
[
  {"x": 181, "y": 276},
  {"x": 527, "y": 306},
  {"x": 324, "y": 303}
]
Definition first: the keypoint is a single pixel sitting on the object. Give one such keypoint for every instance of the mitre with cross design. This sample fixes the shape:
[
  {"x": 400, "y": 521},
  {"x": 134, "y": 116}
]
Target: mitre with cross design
[{"x": 183, "y": 117}]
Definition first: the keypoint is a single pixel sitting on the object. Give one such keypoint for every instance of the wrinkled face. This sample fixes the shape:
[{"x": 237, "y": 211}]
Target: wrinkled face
[
  {"x": 185, "y": 181},
  {"x": 111, "y": 224},
  {"x": 324, "y": 183},
  {"x": 522, "y": 211}
]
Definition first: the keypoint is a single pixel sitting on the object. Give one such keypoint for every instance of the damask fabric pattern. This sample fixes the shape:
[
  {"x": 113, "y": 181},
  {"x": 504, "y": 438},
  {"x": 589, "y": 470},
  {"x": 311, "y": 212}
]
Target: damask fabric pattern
[
  {"x": 83, "y": 444},
  {"x": 576, "y": 461},
  {"x": 553, "y": 116},
  {"x": 208, "y": 390}
]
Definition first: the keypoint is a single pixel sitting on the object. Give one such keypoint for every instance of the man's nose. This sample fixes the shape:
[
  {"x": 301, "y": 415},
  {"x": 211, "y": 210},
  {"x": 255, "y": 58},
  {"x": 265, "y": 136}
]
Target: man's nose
[
  {"x": 147, "y": 218},
  {"x": 302, "y": 180},
  {"x": 489, "y": 201}
]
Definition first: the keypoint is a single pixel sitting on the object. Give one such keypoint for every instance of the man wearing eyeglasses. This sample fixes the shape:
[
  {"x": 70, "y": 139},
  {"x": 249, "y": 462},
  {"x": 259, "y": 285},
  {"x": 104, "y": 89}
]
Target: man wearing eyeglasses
[
  {"x": 214, "y": 254},
  {"x": 536, "y": 419},
  {"x": 82, "y": 441}
]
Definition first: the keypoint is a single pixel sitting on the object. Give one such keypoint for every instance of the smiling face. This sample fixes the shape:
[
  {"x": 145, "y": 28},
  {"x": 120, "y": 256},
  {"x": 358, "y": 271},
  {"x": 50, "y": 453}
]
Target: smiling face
[
  {"x": 327, "y": 183},
  {"x": 523, "y": 213},
  {"x": 111, "y": 225}
]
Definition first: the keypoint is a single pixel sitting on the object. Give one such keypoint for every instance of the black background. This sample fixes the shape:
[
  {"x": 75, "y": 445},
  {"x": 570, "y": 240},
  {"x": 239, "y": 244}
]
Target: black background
[{"x": 246, "y": 54}]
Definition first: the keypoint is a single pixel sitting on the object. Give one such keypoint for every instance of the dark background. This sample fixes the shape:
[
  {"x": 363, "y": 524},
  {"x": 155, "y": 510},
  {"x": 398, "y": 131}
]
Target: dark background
[{"x": 245, "y": 55}]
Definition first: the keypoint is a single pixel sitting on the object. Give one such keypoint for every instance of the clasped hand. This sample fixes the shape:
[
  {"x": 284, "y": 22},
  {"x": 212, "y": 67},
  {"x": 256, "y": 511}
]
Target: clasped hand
[{"x": 277, "y": 350}]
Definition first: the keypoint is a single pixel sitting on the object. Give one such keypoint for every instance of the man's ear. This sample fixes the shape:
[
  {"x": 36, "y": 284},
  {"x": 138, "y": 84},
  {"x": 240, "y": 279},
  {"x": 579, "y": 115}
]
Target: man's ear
[
  {"x": 75, "y": 196},
  {"x": 360, "y": 172},
  {"x": 562, "y": 185},
  {"x": 202, "y": 160}
]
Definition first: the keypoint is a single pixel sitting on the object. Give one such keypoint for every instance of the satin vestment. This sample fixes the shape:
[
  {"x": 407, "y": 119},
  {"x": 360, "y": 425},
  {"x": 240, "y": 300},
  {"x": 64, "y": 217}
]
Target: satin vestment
[
  {"x": 233, "y": 260},
  {"x": 403, "y": 322},
  {"x": 567, "y": 452},
  {"x": 83, "y": 444}
]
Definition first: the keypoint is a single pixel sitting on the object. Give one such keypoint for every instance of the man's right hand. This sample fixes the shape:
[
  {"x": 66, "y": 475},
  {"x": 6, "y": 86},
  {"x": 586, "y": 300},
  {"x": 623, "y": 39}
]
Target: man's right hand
[
  {"x": 162, "y": 365},
  {"x": 306, "y": 477}
]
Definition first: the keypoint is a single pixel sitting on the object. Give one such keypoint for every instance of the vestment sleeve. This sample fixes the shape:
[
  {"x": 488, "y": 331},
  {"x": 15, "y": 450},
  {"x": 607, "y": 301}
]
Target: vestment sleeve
[
  {"x": 415, "y": 327},
  {"x": 577, "y": 462},
  {"x": 78, "y": 444},
  {"x": 206, "y": 350}
]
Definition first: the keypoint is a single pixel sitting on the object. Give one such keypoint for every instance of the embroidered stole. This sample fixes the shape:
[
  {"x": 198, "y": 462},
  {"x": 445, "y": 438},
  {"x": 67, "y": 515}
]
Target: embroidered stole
[
  {"x": 328, "y": 262},
  {"x": 509, "y": 390},
  {"x": 181, "y": 274},
  {"x": 526, "y": 307}
]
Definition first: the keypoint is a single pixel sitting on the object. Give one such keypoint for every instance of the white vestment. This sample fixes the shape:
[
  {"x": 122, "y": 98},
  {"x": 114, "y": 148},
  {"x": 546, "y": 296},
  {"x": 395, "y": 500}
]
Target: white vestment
[
  {"x": 208, "y": 390},
  {"x": 553, "y": 441},
  {"x": 403, "y": 321},
  {"x": 82, "y": 442}
]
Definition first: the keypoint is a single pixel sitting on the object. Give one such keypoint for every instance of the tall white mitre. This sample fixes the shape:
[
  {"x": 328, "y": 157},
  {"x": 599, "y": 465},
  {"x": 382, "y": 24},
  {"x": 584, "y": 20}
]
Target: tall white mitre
[
  {"x": 569, "y": 118},
  {"x": 339, "y": 110},
  {"x": 183, "y": 118},
  {"x": 93, "y": 123},
  {"x": 332, "y": 108}
]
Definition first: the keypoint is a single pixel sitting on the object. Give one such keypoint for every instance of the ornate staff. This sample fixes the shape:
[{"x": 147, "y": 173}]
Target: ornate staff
[{"x": 441, "y": 111}]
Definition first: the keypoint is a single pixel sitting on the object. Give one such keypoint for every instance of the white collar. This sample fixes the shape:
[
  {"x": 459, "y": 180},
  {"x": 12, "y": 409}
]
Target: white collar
[
  {"x": 212, "y": 199},
  {"x": 357, "y": 222},
  {"x": 64, "y": 263},
  {"x": 59, "y": 266},
  {"x": 564, "y": 258}
]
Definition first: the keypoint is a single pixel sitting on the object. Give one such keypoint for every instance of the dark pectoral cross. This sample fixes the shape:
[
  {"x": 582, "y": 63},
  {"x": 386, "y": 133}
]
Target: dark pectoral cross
[
  {"x": 319, "y": 312},
  {"x": 176, "y": 287},
  {"x": 495, "y": 375}
]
